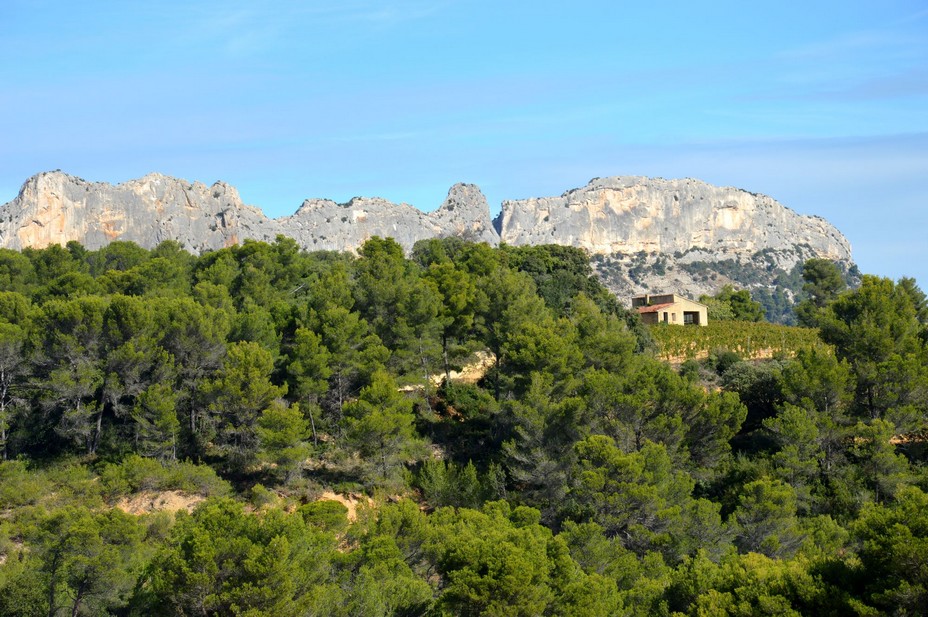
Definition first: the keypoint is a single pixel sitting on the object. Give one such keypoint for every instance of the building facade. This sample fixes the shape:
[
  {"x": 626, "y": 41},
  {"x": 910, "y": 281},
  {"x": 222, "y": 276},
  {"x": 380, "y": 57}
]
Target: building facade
[{"x": 670, "y": 309}]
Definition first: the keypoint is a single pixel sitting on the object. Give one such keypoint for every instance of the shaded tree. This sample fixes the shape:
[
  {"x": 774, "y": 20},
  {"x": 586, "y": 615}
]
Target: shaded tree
[
  {"x": 281, "y": 433},
  {"x": 459, "y": 305},
  {"x": 238, "y": 395},
  {"x": 892, "y": 541},
  {"x": 89, "y": 561},
  {"x": 195, "y": 336},
  {"x": 875, "y": 329},
  {"x": 309, "y": 372},
  {"x": 637, "y": 496},
  {"x": 497, "y": 561},
  {"x": 823, "y": 283},
  {"x": 766, "y": 519},
  {"x": 379, "y": 426},
  {"x": 157, "y": 427},
  {"x": 729, "y": 303},
  {"x": 604, "y": 339},
  {"x": 539, "y": 453},
  {"x": 13, "y": 368},
  {"x": 223, "y": 561}
]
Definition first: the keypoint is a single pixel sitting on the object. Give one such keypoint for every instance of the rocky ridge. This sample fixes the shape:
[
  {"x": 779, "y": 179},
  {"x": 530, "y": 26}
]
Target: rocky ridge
[
  {"x": 322, "y": 224},
  {"x": 54, "y": 208},
  {"x": 684, "y": 236},
  {"x": 644, "y": 234},
  {"x": 629, "y": 214}
]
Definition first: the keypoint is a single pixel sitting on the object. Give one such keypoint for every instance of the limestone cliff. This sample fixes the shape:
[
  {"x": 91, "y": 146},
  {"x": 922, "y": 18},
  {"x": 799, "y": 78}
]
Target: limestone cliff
[
  {"x": 629, "y": 214},
  {"x": 644, "y": 235},
  {"x": 322, "y": 224},
  {"x": 683, "y": 236},
  {"x": 54, "y": 208}
]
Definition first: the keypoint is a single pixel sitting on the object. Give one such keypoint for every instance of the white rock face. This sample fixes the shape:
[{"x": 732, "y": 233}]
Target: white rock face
[
  {"x": 54, "y": 208},
  {"x": 322, "y": 224},
  {"x": 628, "y": 214},
  {"x": 616, "y": 217}
]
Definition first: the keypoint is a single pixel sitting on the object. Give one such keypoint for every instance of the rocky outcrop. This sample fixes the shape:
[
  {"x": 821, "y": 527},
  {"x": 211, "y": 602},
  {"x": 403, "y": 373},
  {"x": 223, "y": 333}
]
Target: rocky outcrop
[
  {"x": 322, "y": 224},
  {"x": 54, "y": 208},
  {"x": 644, "y": 234},
  {"x": 630, "y": 214},
  {"x": 466, "y": 214}
]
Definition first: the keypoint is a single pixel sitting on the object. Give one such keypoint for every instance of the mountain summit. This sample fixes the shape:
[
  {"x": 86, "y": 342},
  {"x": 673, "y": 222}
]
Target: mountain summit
[{"x": 628, "y": 214}]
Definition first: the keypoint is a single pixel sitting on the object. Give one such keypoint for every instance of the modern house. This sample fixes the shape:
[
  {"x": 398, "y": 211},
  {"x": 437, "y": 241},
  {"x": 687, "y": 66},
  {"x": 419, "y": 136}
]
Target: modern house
[{"x": 670, "y": 309}]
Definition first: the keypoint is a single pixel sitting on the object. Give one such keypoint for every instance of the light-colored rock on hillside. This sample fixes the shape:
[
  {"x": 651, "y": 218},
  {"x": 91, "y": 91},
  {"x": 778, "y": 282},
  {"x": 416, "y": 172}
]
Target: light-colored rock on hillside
[
  {"x": 645, "y": 235},
  {"x": 629, "y": 214},
  {"x": 54, "y": 208},
  {"x": 322, "y": 224}
]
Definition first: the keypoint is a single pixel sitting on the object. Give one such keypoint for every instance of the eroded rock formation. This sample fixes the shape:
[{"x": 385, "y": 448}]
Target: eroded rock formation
[
  {"x": 322, "y": 224},
  {"x": 644, "y": 234},
  {"x": 54, "y": 208},
  {"x": 629, "y": 214}
]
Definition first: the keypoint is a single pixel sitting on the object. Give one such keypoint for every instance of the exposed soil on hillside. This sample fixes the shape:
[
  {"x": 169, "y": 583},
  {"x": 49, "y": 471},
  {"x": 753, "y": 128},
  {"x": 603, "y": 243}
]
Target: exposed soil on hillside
[
  {"x": 159, "y": 501},
  {"x": 472, "y": 372},
  {"x": 350, "y": 501}
]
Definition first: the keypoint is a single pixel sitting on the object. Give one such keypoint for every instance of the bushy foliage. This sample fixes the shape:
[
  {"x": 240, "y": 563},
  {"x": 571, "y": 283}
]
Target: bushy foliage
[
  {"x": 135, "y": 473},
  {"x": 568, "y": 472}
]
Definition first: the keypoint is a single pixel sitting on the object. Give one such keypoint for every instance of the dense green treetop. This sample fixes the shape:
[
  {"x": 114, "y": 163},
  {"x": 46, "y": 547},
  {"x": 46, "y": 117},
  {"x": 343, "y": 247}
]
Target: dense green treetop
[
  {"x": 729, "y": 304},
  {"x": 566, "y": 471}
]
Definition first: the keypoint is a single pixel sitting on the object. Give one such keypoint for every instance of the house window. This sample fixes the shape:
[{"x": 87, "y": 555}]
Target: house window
[
  {"x": 665, "y": 317},
  {"x": 673, "y": 317}
]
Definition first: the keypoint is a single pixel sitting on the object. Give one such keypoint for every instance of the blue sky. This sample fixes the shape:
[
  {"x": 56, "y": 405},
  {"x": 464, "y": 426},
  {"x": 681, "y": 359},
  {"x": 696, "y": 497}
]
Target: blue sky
[{"x": 822, "y": 105}]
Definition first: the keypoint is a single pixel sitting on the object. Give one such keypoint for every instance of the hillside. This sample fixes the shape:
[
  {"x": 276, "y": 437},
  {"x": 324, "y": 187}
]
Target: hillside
[{"x": 229, "y": 433}]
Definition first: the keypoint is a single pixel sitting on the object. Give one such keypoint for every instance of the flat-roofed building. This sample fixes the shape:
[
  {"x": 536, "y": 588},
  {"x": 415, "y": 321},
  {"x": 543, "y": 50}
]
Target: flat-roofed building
[{"x": 670, "y": 309}]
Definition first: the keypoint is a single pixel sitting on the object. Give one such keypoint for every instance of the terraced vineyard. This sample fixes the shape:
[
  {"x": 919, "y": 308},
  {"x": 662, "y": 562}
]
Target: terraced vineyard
[{"x": 748, "y": 339}]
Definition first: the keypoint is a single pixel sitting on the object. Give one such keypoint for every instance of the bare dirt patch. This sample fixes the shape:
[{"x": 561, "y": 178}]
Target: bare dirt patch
[
  {"x": 472, "y": 372},
  {"x": 350, "y": 501},
  {"x": 147, "y": 502}
]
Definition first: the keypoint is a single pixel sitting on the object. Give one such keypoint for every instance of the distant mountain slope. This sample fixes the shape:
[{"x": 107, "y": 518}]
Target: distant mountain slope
[
  {"x": 644, "y": 234},
  {"x": 684, "y": 236}
]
